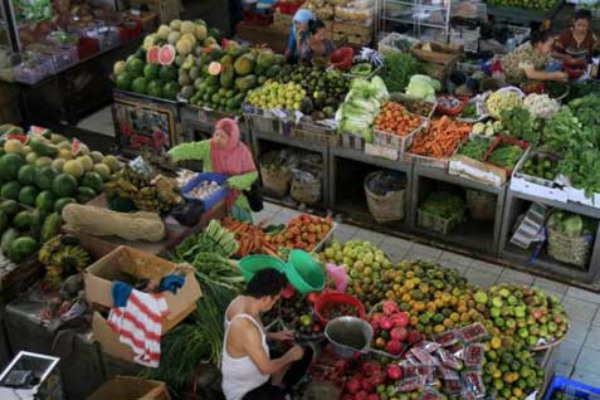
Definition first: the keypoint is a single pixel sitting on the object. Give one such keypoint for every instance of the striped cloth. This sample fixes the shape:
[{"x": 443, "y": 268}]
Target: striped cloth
[{"x": 139, "y": 325}]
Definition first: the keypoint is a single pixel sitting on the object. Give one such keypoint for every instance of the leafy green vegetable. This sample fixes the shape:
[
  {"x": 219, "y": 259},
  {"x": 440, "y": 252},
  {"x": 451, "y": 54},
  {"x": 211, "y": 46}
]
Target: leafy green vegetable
[
  {"x": 586, "y": 110},
  {"x": 564, "y": 131},
  {"x": 475, "y": 149},
  {"x": 582, "y": 166},
  {"x": 521, "y": 124},
  {"x": 573, "y": 225},
  {"x": 398, "y": 69},
  {"x": 443, "y": 204},
  {"x": 505, "y": 156},
  {"x": 470, "y": 111},
  {"x": 423, "y": 87}
]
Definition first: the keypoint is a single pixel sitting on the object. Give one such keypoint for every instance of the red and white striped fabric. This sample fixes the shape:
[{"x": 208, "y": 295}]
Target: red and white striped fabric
[{"x": 139, "y": 325}]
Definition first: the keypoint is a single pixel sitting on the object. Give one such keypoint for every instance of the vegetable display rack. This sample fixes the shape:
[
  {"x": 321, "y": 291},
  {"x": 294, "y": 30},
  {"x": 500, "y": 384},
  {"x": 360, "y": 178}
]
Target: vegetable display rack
[
  {"x": 397, "y": 142},
  {"x": 315, "y": 133},
  {"x": 353, "y": 141}
]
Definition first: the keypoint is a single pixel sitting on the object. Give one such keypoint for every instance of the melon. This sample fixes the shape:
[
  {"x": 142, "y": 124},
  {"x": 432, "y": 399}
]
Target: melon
[
  {"x": 65, "y": 154},
  {"x": 149, "y": 41},
  {"x": 215, "y": 68},
  {"x": 166, "y": 56},
  {"x": 86, "y": 162},
  {"x": 175, "y": 24},
  {"x": 188, "y": 27},
  {"x": 163, "y": 32},
  {"x": 112, "y": 162},
  {"x": 190, "y": 38},
  {"x": 13, "y": 146},
  {"x": 174, "y": 38},
  {"x": 73, "y": 168},
  {"x": 200, "y": 32},
  {"x": 152, "y": 54},
  {"x": 43, "y": 162},
  {"x": 183, "y": 47},
  {"x": 119, "y": 67},
  {"x": 103, "y": 170},
  {"x": 97, "y": 156},
  {"x": 31, "y": 158},
  {"x": 59, "y": 164}
]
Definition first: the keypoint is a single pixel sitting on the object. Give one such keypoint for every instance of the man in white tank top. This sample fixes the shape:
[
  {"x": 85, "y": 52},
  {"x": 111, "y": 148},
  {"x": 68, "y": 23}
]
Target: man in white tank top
[{"x": 248, "y": 371}]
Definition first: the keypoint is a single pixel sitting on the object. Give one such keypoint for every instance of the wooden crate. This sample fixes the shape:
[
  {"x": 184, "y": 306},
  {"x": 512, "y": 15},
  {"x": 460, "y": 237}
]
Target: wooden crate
[
  {"x": 352, "y": 34},
  {"x": 440, "y": 53}
]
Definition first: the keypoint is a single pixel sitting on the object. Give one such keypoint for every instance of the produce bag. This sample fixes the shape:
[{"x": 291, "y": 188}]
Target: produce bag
[
  {"x": 306, "y": 186},
  {"x": 188, "y": 214},
  {"x": 385, "y": 196},
  {"x": 339, "y": 276},
  {"x": 276, "y": 171}
]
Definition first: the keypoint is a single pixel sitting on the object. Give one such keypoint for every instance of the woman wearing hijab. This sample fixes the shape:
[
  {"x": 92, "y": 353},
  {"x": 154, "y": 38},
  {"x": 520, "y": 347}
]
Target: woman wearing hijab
[
  {"x": 225, "y": 154},
  {"x": 318, "y": 44},
  {"x": 299, "y": 33}
]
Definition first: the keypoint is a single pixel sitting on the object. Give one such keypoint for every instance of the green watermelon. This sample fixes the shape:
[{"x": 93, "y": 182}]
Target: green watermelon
[
  {"x": 168, "y": 73},
  {"x": 64, "y": 185},
  {"x": 22, "y": 221},
  {"x": 11, "y": 190},
  {"x": 10, "y": 207},
  {"x": 10, "y": 164},
  {"x": 61, "y": 203},
  {"x": 26, "y": 174},
  {"x": 44, "y": 177},
  {"x": 155, "y": 88},
  {"x": 45, "y": 201},
  {"x": 170, "y": 90},
  {"x": 151, "y": 71},
  {"x": 27, "y": 195},
  {"x": 139, "y": 85},
  {"x": 92, "y": 180},
  {"x": 10, "y": 235},
  {"x": 22, "y": 248},
  {"x": 85, "y": 194},
  {"x": 123, "y": 81},
  {"x": 135, "y": 67}
]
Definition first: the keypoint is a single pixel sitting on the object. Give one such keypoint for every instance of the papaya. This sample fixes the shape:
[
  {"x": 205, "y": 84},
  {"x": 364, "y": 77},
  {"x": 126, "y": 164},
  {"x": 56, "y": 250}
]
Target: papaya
[
  {"x": 246, "y": 82},
  {"x": 244, "y": 65}
]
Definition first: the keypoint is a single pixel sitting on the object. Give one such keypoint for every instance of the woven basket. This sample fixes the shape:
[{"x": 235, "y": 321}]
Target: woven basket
[
  {"x": 306, "y": 192},
  {"x": 385, "y": 208},
  {"x": 569, "y": 250},
  {"x": 481, "y": 205},
  {"x": 276, "y": 182}
]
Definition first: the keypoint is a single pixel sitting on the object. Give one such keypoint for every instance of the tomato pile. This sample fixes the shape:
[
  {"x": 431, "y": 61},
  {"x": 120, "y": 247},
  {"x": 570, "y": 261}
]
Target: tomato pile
[
  {"x": 395, "y": 118},
  {"x": 303, "y": 232}
]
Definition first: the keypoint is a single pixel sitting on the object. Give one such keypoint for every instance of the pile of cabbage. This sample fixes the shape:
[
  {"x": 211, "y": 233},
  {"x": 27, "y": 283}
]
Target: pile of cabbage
[
  {"x": 423, "y": 87},
  {"x": 361, "y": 106}
]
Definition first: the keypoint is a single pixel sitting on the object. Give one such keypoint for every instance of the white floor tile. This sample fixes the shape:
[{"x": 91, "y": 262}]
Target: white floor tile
[
  {"x": 456, "y": 259},
  {"x": 550, "y": 286},
  {"x": 584, "y": 295},
  {"x": 579, "y": 310}
]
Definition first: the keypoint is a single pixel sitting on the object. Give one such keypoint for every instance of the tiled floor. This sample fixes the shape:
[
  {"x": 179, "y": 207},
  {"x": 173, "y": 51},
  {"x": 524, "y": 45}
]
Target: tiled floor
[{"x": 578, "y": 356}]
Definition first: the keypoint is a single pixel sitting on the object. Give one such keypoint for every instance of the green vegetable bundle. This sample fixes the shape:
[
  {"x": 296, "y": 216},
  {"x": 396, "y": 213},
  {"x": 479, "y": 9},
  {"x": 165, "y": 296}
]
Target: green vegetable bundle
[
  {"x": 564, "y": 131},
  {"x": 398, "y": 69},
  {"x": 444, "y": 205},
  {"x": 586, "y": 111},
  {"x": 572, "y": 225},
  {"x": 505, "y": 156},
  {"x": 582, "y": 167},
  {"x": 521, "y": 124},
  {"x": 475, "y": 149}
]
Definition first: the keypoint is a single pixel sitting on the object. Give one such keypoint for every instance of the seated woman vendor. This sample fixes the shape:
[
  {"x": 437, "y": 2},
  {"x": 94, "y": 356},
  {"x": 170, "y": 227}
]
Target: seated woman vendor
[
  {"x": 299, "y": 34},
  {"x": 529, "y": 60},
  {"x": 318, "y": 44},
  {"x": 225, "y": 154},
  {"x": 578, "y": 41},
  {"x": 249, "y": 372}
]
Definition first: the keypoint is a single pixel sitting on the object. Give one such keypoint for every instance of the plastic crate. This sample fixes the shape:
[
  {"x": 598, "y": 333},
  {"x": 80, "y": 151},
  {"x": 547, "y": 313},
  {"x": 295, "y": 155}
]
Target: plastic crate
[
  {"x": 87, "y": 47},
  {"x": 436, "y": 223},
  {"x": 572, "y": 389},
  {"x": 214, "y": 198},
  {"x": 313, "y": 132},
  {"x": 452, "y": 111},
  {"x": 352, "y": 141},
  {"x": 33, "y": 71}
]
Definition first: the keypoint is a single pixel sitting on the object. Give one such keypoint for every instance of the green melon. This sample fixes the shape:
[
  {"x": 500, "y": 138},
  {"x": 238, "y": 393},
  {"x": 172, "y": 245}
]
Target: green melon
[
  {"x": 45, "y": 201},
  {"x": 11, "y": 190},
  {"x": 44, "y": 177},
  {"x": 26, "y": 174},
  {"x": 27, "y": 195},
  {"x": 65, "y": 185}
]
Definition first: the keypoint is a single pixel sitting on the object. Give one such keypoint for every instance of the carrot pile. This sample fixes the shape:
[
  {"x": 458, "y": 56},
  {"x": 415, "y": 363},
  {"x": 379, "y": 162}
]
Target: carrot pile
[
  {"x": 441, "y": 139},
  {"x": 251, "y": 238},
  {"x": 395, "y": 118}
]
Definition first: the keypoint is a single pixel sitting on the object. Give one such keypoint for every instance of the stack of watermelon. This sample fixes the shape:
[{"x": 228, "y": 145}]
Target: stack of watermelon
[
  {"x": 154, "y": 69},
  {"x": 38, "y": 179}
]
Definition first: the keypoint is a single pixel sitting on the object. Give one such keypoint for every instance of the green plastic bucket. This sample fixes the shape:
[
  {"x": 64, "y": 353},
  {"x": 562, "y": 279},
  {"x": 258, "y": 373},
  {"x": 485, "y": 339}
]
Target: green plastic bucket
[
  {"x": 305, "y": 273},
  {"x": 252, "y": 264}
]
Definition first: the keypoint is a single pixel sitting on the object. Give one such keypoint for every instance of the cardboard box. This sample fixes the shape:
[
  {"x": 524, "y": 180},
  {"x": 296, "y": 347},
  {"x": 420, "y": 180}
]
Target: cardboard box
[
  {"x": 131, "y": 388},
  {"x": 124, "y": 262},
  {"x": 476, "y": 170}
]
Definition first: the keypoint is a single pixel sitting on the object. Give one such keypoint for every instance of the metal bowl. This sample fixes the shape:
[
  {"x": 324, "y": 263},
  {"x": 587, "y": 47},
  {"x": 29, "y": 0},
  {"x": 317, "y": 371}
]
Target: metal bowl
[{"x": 349, "y": 335}]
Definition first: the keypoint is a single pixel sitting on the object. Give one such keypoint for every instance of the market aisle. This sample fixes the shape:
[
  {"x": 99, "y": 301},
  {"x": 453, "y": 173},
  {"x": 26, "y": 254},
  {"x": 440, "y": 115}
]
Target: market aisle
[{"x": 578, "y": 356}]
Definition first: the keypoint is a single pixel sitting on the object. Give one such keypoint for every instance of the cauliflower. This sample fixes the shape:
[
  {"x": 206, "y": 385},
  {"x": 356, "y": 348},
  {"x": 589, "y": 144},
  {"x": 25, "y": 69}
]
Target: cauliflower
[{"x": 478, "y": 128}]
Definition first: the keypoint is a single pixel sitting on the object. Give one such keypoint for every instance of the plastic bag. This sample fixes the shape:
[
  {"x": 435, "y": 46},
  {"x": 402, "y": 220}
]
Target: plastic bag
[
  {"x": 339, "y": 276},
  {"x": 384, "y": 182}
]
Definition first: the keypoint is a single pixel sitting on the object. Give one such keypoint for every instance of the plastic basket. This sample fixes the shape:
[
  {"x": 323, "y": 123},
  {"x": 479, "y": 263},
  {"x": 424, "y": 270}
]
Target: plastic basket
[
  {"x": 438, "y": 224},
  {"x": 569, "y": 250},
  {"x": 416, "y": 106},
  {"x": 250, "y": 265},
  {"x": 452, "y": 111},
  {"x": 352, "y": 141},
  {"x": 306, "y": 192},
  {"x": 264, "y": 123},
  {"x": 276, "y": 181},
  {"x": 304, "y": 272},
  {"x": 481, "y": 205},
  {"x": 387, "y": 208},
  {"x": 338, "y": 298},
  {"x": 571, "y": 389},
  {"x": 214, "y": 198}
]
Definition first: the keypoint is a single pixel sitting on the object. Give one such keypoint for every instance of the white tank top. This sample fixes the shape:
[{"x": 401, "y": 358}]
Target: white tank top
[{"x": 240, "y": 375}]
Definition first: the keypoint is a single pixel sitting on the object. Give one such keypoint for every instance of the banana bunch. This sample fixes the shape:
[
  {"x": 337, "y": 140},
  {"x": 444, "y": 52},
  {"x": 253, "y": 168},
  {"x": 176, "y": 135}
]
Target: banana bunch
[
  {"x": 222, "y": 237},
  {"x": 126, "y": 183},
  {"x": 161, "y": 196},
  {"x": 63, "y": 256}
]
